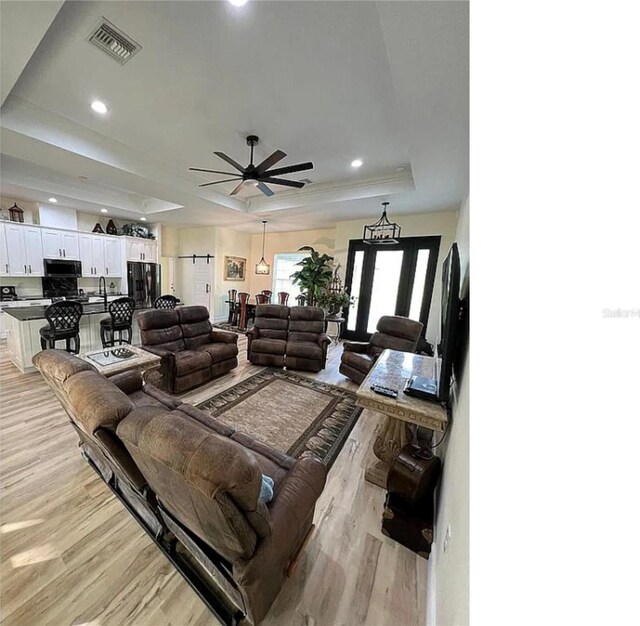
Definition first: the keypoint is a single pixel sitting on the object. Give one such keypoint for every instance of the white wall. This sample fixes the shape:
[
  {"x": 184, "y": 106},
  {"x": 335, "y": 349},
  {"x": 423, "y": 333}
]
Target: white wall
[{"x": 448, "y": 572}]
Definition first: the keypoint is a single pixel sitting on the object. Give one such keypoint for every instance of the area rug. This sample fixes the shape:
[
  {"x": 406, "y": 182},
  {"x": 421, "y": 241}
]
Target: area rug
[{"x": 289, "y": 412}]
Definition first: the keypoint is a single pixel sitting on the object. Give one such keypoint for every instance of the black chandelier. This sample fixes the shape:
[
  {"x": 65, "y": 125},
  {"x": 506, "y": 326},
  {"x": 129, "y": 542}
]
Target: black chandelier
[
  {"x": 383, "y": 231},
  {"x": 262, "y": 267}
]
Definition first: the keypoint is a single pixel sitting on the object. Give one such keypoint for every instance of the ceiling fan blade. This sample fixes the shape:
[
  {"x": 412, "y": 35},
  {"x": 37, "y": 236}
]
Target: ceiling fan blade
[
  {"x": 283, "y": 182},
  {"x": 278, "y": 155},
  {"x": 199, "y": 169},
  {"x": 230, "y": 161},
  {"x": 290, "y": 169},
  {"x": 217, "y": 182},
  {"x": 237, "y": 189},
  {"x": 264, "y": 189}
]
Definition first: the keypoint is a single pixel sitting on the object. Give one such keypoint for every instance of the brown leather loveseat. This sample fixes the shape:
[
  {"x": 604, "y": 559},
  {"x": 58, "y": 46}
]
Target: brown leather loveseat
[
  {"x": 192, "y": 352},
  {"x": 392, "y": 331},
  {"x": 193, "y": 483},
  {"x": 288, "y": 336}
]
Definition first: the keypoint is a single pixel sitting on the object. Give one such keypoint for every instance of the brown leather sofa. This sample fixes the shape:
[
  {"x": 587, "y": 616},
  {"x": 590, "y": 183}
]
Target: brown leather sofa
[
  {"x": 193, "y": 483},
  {"x": 192, "y": 352},
  {"x": 392, "y": 331},
  {"x": 288, "y": 336}
]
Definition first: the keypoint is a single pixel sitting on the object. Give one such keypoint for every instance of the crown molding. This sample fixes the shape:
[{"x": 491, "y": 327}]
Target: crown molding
[{"x": 322, "y": 193}]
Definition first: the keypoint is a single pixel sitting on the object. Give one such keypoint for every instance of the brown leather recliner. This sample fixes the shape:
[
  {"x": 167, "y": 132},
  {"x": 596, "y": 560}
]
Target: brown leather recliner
[
  {"x": 198, "y": 480},
  {"x": 288, "y": 336},
  {"x": 393, "y": 331},
  {"x": 192, "y": 352}
]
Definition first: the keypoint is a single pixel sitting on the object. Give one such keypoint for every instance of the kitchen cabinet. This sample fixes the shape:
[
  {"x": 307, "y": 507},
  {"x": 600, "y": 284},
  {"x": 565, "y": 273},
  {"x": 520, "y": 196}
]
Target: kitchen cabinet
[
  {"x": 112, "y": 257},
  {"x": 4, "y": 253},
  {"x": 60, "y": 244},
  {"x": 138, "y": 249},
  {"x": 24, "y": 250}
]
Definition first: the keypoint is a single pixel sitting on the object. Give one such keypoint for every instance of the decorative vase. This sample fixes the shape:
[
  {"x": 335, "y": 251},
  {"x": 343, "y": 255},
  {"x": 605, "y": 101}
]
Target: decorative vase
[
  {"x": 112, "y": 229},
  {"x": 97, "y": 228}
]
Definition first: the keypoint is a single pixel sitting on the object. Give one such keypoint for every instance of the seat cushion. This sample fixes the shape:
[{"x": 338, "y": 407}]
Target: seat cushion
[
  {"x": 269, "y": 346},
  {"x": 191, "y": 361},
  {"x": 361, "y": 362},
  {"x": 305, "y": 349},
  {"x": 219, "y": 351}
]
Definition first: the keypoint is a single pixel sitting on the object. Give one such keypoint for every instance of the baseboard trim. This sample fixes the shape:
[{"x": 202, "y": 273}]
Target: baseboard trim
[{"x": 431, "y": 587}]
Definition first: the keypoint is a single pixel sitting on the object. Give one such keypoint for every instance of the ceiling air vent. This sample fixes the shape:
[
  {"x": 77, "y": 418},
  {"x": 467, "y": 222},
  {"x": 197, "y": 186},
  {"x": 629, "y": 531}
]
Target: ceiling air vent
[{"x": 113, "y": 41}]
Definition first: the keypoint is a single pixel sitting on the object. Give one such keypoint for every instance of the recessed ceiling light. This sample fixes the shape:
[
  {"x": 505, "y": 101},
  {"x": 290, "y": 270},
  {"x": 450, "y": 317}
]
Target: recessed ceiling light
[
  {"x": 54, "y": 200},
  {"x": 356, "y": 163},
  {"x": 99, "y": 107},
  {"x": 103, "y": 211},
  {"x": 238, "y": 3},
  {"x": 143, "y": 219}
]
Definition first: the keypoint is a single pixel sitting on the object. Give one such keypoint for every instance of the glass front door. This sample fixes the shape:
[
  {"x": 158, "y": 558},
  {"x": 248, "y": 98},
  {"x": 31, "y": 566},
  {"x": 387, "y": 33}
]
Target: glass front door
[{"x": 392, "y": 279}]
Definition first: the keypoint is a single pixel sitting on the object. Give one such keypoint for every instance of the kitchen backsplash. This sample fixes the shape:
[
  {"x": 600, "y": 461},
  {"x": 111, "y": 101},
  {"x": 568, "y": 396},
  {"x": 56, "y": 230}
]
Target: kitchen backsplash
[{"x": 31, "y": 287}]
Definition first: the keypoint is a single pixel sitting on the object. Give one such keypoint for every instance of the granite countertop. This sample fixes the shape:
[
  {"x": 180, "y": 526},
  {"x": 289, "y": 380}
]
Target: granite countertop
[{"x": 25, "y": 314}]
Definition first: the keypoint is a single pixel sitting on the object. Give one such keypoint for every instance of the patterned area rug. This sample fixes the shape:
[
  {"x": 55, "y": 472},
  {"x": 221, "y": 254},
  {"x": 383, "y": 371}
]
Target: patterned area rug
[{"x": 291, "y": 413}]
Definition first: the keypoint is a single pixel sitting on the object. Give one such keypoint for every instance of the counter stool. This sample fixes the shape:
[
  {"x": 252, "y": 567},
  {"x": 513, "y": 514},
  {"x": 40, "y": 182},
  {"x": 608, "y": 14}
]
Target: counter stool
[
  {"x": 166, "y": 302},
  {"x": 121, "y": 319},
  {"x": 262, "y": 298},
  {"x": 283, "y": 297},
  {"x": 64, "y": 323},
  {"x": 267, "y": 293}
]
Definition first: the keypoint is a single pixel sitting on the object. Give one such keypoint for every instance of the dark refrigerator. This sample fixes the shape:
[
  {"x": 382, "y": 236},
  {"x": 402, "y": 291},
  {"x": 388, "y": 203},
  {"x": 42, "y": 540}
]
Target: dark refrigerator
[{"x": 144, "y": 283}]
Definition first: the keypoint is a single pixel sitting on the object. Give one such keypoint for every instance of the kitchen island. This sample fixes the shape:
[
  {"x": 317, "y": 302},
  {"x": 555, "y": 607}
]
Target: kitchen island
[{"x": 23, "y": 324}]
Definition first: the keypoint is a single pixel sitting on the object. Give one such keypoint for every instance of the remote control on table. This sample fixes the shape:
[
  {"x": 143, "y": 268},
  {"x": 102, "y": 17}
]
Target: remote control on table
[{"x": 385, "y": 391}]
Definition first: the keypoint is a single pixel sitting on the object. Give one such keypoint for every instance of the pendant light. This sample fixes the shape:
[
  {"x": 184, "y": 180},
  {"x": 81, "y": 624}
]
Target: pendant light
[
  {"x": 383, "y": 231},
  {"x": 262, "y": 267}
]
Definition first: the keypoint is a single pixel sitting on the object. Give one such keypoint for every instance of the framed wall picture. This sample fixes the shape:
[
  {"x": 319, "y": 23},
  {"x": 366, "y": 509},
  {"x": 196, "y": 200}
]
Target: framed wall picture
[{"x": 235, "y": 268}]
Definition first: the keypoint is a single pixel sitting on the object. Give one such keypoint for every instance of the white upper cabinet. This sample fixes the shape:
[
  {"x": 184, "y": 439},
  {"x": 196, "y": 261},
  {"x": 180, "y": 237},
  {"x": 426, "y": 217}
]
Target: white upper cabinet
[
  {"x": 4, "y": 253},
  {"x": 86, "y": 255},
  {"x": 60, "y": 244},
  {"x": 143, "y": 250},
  {"x": 112, "y": 257},
  {"x": 24, "y": 250}
]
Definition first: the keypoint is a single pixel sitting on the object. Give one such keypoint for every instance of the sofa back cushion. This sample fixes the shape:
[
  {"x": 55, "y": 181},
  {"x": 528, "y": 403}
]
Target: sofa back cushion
[
  {"x": 397, "y": 333},
  {"x": 161, "y": 327},
  {"x": 306, "y": 323},
  {"x": 95, "y": 401},
  {"x": 196, "y": 327},
  {"x": 208, "y": 482},
  {"x": 272, "y": 320}
]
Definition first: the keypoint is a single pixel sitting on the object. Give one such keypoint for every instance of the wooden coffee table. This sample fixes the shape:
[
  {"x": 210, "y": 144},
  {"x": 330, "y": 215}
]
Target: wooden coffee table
[
  {"x": 393, "y": 369},
  {"x": 114, "y": 360}
]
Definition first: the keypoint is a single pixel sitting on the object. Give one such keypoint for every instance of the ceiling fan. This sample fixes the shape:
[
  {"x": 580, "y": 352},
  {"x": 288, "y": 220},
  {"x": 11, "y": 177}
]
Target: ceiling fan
[{"x": 260, "y": 173}]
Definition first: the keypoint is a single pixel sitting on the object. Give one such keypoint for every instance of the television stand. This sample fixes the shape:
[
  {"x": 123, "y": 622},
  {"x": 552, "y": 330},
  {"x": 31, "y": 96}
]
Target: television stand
[{"x": 393, "y": 369}]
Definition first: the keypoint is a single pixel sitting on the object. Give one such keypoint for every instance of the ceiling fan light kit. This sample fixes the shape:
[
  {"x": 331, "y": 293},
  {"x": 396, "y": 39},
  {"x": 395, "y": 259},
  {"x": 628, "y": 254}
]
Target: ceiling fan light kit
[
  {"x": 257, "y": 174},
  {"x": 383, "y": 231},
  {"x": 262, "y": 267}
]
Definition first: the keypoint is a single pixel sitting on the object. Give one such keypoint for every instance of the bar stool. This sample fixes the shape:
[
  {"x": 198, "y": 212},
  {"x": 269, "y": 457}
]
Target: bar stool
[
  {"x": 64, "y": 323},
  {"x": 283, "y": 297},
  {"x": 267, "y": 293},
  {"x": 120, "y": 319},
  {"x": 166, "y": 302},
  {"x": 262, "y": 298}
]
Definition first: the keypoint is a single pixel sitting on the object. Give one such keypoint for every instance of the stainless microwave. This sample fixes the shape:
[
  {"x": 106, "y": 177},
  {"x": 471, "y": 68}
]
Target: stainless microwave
[{"x": 59, "y": 269}]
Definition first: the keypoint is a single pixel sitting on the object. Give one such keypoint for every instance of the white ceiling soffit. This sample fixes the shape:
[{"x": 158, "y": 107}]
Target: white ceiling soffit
[
  {"x": 397, "y": 99},
  {"x": 22, "y": 27}
]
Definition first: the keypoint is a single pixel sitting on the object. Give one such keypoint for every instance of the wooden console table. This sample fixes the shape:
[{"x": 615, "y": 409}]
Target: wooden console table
[{"x": 393, "y": 369}]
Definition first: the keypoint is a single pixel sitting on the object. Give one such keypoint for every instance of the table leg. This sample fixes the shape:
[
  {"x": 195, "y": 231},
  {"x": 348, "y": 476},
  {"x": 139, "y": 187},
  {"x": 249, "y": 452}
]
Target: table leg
[{"x": 390, "y": 438}]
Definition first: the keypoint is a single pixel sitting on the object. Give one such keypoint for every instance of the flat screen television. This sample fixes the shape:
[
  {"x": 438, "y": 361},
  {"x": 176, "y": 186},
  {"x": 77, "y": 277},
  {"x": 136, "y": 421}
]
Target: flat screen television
[{"x": 449, "y": 322}]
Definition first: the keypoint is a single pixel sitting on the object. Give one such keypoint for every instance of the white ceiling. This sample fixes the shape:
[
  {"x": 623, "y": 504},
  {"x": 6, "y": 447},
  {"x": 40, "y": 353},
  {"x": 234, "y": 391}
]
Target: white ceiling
[{"x": 327, "y": 82}]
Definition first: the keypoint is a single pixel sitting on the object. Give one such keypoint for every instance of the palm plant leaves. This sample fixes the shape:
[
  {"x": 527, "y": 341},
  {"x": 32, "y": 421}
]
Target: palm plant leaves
[{"x": 315, "y": 273}]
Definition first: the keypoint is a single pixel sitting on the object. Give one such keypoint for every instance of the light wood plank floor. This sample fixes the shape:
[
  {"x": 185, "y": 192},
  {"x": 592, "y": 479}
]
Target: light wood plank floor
[{"x": 71, "y": 554}]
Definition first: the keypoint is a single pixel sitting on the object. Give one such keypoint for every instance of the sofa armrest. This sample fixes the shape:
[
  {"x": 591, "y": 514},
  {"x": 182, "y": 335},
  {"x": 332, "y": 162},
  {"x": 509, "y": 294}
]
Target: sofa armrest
[
  {"x": 161, "y": 352},
  {"x": 222, "y": 336},
  {"x": 128, "y": 382},
  {"x": 356, "y": 346},
  {"x": 324, "y": 340},
  {"x": 253, "y": 333}
]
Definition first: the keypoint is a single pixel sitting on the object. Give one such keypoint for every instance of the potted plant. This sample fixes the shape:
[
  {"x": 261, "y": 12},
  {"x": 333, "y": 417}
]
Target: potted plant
[
  {"x": 333, "y": 303},
  {"x": 314, "y": 275}
]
